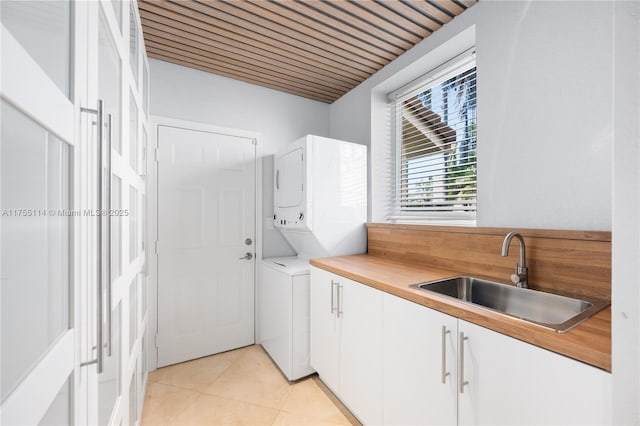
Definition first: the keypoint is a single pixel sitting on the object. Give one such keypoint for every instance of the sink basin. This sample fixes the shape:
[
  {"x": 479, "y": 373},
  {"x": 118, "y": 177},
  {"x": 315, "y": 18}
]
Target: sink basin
[{"x": 553, "y": 311}]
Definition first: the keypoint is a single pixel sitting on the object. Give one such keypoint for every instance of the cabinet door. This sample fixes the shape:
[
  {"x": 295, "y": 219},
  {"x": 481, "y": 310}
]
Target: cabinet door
[
  {"x": 324, "y": 326},
  {"x": 513, "y": 382},
  {"x": 360, "y": 313},
  {"x": 419, "y": 347}
]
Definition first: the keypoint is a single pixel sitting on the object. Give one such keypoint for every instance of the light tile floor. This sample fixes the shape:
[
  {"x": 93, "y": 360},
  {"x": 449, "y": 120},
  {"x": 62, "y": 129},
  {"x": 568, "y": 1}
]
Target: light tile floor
[{"x": 240, "y": 387}]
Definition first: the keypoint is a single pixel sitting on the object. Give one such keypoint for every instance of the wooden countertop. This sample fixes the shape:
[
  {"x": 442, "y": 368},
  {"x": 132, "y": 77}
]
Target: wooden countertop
[{"x": 589, "y": 342}]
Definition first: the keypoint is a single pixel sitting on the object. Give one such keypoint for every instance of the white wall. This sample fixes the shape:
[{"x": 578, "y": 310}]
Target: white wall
[
  {"x": 280, "y": 118},
  {"x": 545, "y": 97}
]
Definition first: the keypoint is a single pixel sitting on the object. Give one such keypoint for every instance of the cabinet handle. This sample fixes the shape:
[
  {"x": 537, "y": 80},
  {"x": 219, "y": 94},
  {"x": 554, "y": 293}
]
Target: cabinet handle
[
  {"x": 444, "y": 354},
  {"x": 278, "y": 179},
  {"x": 340, "y": 287},
  {"x": 333, "y": 284},
  {"x": 461, "y": 381}
]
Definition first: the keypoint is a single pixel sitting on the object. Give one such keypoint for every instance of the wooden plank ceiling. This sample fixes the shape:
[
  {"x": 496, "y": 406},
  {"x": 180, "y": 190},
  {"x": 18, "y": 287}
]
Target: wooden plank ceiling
[{"x": 319, "y": 49}]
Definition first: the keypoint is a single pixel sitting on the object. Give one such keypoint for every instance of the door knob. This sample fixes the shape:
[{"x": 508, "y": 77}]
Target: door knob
[{"x": 247, "y": 256}]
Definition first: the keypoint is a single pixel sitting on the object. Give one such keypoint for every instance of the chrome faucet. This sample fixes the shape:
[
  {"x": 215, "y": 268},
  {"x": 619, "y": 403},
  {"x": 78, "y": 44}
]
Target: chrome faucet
[{"x": 521, "y": 274}]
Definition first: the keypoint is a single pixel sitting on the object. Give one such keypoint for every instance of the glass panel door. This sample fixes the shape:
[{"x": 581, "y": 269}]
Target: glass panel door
[
  {"x": 109, "y": 70},
  {"x": 37, "y": 153},
  {"x": 73, "y": 143},
  {"x": 118, "y": 62}
]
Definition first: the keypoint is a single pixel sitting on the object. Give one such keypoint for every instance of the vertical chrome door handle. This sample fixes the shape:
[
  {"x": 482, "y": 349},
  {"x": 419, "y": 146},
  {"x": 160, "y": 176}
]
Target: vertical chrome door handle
[
  {"x": 107, "y": 258},
  {"x": 278, "y": 179},
  {"x": 333, "y": 285},
  {"x": 99, "y": 360},
  {"x": 461, "y": 381},
  {"x": 445, "y": 373}
]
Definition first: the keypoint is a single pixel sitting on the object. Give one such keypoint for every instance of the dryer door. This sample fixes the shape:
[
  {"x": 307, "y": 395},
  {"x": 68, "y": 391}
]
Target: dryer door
[{"x": 289, "y": 178}]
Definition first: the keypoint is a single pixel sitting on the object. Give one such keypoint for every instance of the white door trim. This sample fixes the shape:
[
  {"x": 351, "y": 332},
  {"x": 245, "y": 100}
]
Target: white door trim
[{"x": 152, "y": 212}]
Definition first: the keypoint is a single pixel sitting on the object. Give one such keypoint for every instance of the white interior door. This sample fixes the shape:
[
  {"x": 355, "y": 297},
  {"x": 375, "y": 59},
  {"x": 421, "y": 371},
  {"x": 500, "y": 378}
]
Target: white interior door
[{"x": 206, "y": 243}]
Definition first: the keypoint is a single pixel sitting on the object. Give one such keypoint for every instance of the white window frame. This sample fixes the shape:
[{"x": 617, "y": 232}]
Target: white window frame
[{"x": 450, "y": 68}]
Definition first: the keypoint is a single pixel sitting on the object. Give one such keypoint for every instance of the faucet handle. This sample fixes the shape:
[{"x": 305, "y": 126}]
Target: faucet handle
[{"x": 521, "y": 276}]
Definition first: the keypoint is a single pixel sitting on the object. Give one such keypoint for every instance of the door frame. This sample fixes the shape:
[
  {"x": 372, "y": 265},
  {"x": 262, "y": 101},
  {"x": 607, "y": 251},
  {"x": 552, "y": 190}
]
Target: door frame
[{"x": 152, "y": 216}]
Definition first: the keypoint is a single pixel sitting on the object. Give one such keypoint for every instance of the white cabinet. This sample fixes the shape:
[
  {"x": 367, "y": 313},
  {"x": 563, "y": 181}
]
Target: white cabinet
[
  {"x": 419, "y": 364},
  {"x": 424, "y": 367},
  {"x": 375, "y": 350},
  {"x": 513, "y": 382},
  {"x": 506, "y": 381},
  {"x": 346, "y": 341}
]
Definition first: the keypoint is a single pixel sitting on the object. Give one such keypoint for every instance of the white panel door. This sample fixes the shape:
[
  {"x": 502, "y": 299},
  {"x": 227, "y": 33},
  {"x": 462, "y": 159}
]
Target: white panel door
[{"x": 206, "y": 234}]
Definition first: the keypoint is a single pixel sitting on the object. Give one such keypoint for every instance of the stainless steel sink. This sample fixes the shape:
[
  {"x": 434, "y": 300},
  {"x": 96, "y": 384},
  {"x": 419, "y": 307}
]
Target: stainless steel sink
[{"x": 553, "y": 311}]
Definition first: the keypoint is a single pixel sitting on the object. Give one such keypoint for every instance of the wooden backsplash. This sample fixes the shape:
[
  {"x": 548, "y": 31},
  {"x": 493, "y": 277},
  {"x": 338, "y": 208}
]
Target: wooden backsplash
[{"x": 566, "y": 262}]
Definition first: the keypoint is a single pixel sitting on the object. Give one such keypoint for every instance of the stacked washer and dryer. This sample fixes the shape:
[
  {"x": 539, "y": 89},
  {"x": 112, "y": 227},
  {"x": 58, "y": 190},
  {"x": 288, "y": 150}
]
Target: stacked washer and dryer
[{"x": 320, "y": 206}]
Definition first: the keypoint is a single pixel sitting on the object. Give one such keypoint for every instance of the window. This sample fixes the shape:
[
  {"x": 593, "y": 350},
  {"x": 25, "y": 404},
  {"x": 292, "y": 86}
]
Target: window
[{"x": 433, "y": 126}]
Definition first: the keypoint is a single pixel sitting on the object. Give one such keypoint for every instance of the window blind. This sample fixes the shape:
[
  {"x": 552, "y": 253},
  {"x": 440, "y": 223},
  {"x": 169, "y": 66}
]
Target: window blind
[{"x": 433, "y": 124}]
